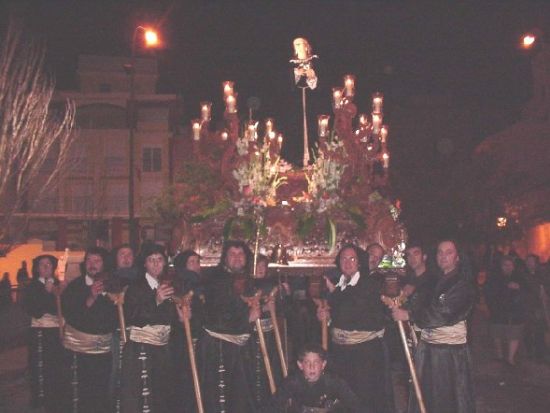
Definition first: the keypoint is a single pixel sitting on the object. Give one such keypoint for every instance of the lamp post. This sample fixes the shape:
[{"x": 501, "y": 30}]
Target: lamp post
[{"x": 151, "y": 40}]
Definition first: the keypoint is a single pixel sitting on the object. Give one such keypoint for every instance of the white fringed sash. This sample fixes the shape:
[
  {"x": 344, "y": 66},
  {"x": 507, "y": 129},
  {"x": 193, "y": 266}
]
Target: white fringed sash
[
  {"x": 86, "y": 343},
  {"x": 348, "y": 337},
  {"x": 455, "y": 334},
  {"x": 46, "y": 321},
  {"x": 156, "y": 335}
]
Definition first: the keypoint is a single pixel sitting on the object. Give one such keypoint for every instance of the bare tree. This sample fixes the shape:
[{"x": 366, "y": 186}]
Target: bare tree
[{"x": 31, "y": 130}]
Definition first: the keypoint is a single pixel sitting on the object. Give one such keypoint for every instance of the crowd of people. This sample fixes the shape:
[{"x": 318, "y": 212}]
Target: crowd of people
[{"x": 115, "y": 339}]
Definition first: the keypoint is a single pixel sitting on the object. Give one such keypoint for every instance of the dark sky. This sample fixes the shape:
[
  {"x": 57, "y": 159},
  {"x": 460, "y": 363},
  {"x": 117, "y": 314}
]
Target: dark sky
[{"x": 465, "y": 51}]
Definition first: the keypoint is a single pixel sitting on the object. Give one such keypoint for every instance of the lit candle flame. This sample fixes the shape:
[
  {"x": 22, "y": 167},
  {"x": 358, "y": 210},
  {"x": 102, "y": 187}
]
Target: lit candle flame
[
  {"x": 196, "y": 125},
  {"x": 228, "y": 88}
]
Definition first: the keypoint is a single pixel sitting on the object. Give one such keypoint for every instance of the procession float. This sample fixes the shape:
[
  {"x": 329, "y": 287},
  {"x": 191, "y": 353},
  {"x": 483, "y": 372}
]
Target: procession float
[{"x": 232, "y": 182}]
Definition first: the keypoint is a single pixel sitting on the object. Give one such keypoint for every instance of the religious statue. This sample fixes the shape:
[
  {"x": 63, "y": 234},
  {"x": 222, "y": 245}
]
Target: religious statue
[{"x": 304, "y": 78}]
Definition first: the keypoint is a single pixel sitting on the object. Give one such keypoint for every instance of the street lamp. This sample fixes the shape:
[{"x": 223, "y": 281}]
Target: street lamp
[
  {"x": 531, "y": 39},
  {"x": 150, "y": 40}
]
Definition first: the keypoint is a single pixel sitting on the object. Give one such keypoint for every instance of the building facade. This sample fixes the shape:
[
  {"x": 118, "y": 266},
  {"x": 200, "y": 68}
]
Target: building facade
[{"x": 91, "y": 203}]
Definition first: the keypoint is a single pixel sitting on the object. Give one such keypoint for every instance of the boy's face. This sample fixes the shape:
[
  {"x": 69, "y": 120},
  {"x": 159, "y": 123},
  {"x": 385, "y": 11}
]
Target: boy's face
[{"x": 312, "y": 366}]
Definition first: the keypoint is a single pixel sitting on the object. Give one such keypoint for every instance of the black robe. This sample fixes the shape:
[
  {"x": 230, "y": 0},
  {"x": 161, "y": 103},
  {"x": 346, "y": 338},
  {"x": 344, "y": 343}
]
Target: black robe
[
  {"x": 364, "y": 366},
  {"x": 445, "y": 370},
  {"x": 224, "y": 366},
  {"x": 45, "y": 350},
  {"x": 87, "y": 375},
  {"x": 296, "y": 395},
  {"x": 146, "y": 368}
]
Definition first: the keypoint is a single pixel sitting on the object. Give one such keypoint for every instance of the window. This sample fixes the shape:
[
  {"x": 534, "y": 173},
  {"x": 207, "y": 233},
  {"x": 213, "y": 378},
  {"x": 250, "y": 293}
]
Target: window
[{"x": 152, "y": 160}]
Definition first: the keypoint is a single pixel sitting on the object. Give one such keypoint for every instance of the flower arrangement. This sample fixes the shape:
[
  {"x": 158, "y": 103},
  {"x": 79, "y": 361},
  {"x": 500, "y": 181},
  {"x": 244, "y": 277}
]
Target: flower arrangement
[
  {"x": 258, "y": 174},
  {"x": 325, "y": 175}
]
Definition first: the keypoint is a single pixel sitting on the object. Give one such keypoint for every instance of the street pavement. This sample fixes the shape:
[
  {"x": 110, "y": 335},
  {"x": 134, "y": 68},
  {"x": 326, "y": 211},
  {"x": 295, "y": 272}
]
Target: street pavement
[{"x": 499, "y": 389}]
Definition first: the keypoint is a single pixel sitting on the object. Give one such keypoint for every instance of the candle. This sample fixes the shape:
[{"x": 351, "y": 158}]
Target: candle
[
  {"x": 383, "y": 133},
  {"x": 224, "y": 135},
  {"x": 206, "y": 110},
  {"x": 377, "y": 102},
  {"x": 268, "y": 126},
  {"x": 196, "y": 126},
  {"x": 376, "y": 122},
  {"x": 228, "y": 89},
  {"x": 386, "y": 159},
  {"x": 323, "y": 125},
  {"x": 349, "y": 85},
  {"x": 336, "y": 97},
  {"x": 280, "y": 140},
  {"x": 363, "y": 120},
  {"x": 252, "y": 130},
  {"x": 231, "y": 103}
]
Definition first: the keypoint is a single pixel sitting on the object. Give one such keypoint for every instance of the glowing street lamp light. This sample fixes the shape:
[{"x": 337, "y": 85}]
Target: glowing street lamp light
[
  {"x": 528, "y": 41},
  {"x": 151, "y": 38},
  {"x": 531, "y": 39}
]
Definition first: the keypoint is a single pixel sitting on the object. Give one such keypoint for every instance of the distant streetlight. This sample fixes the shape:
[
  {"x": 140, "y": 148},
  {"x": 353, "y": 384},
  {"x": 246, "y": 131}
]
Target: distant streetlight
[
  {"x": 528, "y": 41},
  {"x": 531, "y": 39},
  {"x": 151, "y": 40}
]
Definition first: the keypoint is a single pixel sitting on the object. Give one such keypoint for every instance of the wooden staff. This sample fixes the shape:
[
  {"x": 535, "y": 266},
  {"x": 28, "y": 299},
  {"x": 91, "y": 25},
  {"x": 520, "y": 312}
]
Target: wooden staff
[
  {"x": 118, "y": 300},
  {"x": 267, "y": 363},
  {"x": 414, "y": 377},
  {"x": 276, "y": 331},
  {"x": 59, "y": 313},
  {"x": 61, "y": 270},
  {"x": 186, "y": 301},
  {"x": 324, "y": 324},
  {"x": 396, "y": 302}
]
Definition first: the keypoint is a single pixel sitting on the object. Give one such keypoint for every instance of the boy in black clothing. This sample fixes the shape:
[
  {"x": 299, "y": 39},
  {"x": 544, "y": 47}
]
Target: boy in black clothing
[{"x": 313, "y": 390}]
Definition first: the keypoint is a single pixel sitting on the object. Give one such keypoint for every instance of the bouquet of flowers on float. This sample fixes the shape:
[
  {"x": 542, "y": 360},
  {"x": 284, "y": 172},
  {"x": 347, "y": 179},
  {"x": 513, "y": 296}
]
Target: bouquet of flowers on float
[
  {"x": 257, "y": 175},
  {"x": 324, "y": 175}
]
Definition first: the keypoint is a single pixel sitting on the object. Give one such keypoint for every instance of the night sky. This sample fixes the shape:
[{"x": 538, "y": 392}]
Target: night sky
[{"x": 463, "y": 51}]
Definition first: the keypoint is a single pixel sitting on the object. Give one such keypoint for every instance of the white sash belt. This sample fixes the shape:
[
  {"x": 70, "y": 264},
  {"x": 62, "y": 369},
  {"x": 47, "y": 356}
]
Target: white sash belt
[
  {"x": 156, "y": 335},
  {"x": 347, "y": 337},
  {"x": 46, "y": 321},
  {"x": 455, "y": 334},
  {"x": 86, "y": 343},
  {"x": 238, "y": 339}
]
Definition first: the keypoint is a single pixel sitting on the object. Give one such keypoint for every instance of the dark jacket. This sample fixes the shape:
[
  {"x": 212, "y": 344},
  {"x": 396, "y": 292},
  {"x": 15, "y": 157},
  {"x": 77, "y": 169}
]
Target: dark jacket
[
  {"x": 451, "y": 301},
  {"x": 506, "y": 305},
  {"x": 329, "y": 392}
]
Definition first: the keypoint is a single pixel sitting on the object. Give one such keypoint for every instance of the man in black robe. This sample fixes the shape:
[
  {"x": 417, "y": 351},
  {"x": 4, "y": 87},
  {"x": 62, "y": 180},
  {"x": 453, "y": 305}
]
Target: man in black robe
[
  {"x": 150, "y": 311},
  {"x": 313, "y": 390},
  {"x": 91, "y": 318},
  {"x": 442, "y": 358},
  {"x": 125, "y": 273},
  {"x": 223, "y": 355},
  {"x": 187, "y": 272},
  {"x": 357, "y": 327},
  {"x": 45, "y": 351},
  {"x": 417, "y": 290}
]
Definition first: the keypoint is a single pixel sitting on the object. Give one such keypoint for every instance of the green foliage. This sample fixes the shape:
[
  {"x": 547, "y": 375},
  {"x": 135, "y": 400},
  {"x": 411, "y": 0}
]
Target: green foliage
[
  {"x": 239, "y": 228},
  {"x": 164, "y": 207},
  {"x": 305, "y": 226},
  {"x": 207, "y": 213},
  {"x": 356, "y": 215},
  {"x": 330, "y": 232}
]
